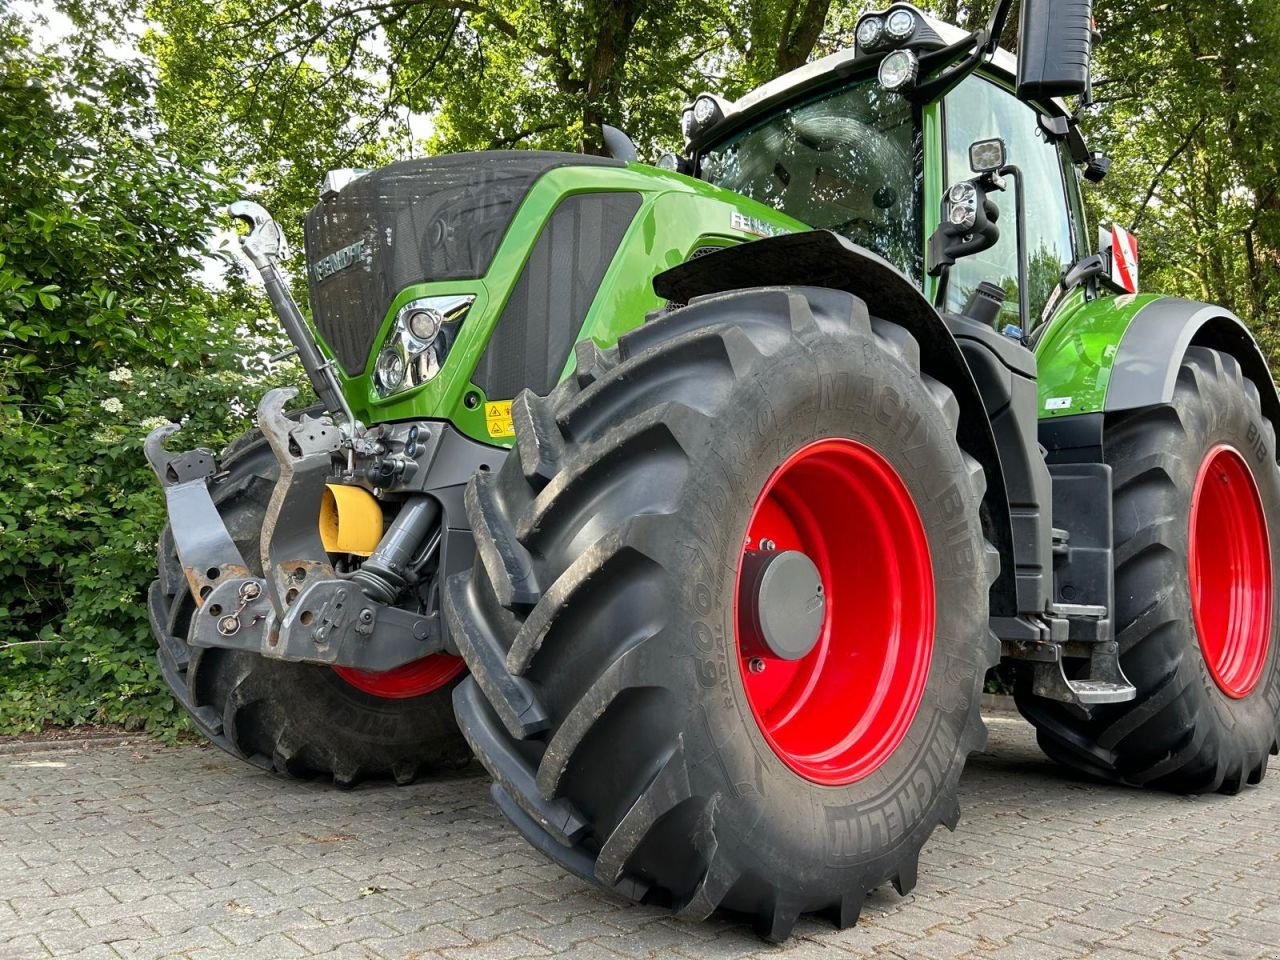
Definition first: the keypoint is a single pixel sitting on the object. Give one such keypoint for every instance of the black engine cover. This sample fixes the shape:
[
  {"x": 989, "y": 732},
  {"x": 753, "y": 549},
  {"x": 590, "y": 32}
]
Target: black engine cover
[{"x": 437, "y": 218}]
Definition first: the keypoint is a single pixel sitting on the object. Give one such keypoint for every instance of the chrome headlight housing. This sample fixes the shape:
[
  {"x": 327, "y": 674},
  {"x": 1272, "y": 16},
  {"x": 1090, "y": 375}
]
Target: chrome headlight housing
[{"x": 421, "y": 336}]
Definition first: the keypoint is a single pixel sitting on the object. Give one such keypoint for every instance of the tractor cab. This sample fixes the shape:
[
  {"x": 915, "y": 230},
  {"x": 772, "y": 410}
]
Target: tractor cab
[{"x": 853, "y": 143}]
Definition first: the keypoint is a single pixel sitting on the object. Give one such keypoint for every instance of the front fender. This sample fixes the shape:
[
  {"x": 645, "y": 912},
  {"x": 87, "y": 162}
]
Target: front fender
[{"x": 820, "y": 258}]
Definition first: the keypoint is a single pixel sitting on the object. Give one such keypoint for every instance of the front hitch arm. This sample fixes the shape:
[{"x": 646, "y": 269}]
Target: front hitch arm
[
  {"x": 205, "y": 548},
  {"x": 264, "y": 245}
]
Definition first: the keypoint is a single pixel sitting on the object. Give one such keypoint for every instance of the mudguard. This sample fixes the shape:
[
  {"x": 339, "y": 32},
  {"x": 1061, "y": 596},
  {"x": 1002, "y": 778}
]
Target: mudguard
[
  {"x": 1123, "y": 353},
  {"x": 820, "y": 258},
  {"x": 1147, "y": 358}
]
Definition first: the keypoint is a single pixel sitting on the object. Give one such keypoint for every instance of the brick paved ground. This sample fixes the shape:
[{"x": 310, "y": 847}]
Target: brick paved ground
[{"x": 145, "y": 852}]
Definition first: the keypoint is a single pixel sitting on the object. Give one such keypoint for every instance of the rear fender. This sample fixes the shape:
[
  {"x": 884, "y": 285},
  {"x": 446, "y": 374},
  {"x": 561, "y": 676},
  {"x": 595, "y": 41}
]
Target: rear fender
[
  {"x": 820, "y": 258},
  {"x": 1150, "y": 353},
  {"x": 1123, "y": 353}
]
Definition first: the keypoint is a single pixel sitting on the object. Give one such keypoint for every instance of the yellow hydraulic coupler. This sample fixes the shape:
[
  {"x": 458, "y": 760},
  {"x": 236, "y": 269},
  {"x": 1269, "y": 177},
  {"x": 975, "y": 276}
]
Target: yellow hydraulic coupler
[{"x": 350, "y": 520}]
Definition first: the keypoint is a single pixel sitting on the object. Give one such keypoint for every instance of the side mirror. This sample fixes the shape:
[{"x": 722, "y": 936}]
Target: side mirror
[
  {"x": 968, "y": 224},
  {"x": 1055, "y": 40}
]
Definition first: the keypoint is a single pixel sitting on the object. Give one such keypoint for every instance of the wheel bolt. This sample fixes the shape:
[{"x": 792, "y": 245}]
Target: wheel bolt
[
  {"x": 756, "y": 665},
  {"x": 228, "y": 625}
]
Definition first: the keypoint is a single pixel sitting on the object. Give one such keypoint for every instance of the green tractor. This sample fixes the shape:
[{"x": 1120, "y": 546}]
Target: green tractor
[{"x": 704, "y": 496}]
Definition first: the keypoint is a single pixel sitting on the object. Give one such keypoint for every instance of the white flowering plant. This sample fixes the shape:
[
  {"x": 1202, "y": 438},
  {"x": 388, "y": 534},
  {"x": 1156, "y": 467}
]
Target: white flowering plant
[{"x": 78, "y": 539}]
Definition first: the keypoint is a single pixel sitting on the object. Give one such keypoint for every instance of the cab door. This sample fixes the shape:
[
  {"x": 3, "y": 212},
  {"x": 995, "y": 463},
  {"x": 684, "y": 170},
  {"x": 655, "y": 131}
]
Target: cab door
[{"x": 978, "y": 109}]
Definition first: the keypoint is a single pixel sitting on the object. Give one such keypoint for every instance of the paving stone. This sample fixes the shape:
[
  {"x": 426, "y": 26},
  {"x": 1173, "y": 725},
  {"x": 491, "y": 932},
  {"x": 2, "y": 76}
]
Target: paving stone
[{"x": 145, "y": 852}]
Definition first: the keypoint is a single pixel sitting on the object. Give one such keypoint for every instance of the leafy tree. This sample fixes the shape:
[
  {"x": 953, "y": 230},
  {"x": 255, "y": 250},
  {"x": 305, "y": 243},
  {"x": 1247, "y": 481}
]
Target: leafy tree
[{"x": 104, "y": 332}]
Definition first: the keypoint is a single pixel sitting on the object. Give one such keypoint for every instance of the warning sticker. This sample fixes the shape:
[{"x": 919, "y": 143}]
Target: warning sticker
[{"x": 497, "y": 418}]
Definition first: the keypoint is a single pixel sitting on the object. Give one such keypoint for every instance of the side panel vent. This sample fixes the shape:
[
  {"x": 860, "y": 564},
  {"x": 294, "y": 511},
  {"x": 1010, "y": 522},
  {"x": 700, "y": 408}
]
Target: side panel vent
[{"x": 541, "y": 319}]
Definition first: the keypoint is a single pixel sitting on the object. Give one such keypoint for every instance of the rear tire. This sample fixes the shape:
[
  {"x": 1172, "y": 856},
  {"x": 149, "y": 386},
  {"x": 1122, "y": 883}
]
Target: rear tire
[
  {"x": 1207, "y": 713},
  {"x": 298, "y": 719},
  {"x": 608, "y": 695}
]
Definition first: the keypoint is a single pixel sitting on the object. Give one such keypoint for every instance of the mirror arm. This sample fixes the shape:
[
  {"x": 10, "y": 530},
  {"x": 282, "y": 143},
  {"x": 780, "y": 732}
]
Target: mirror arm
[
  {"x": 973, "y": 50},
  {"x": 1020, "y": 226},
  {"x": 995, "y": 26}
]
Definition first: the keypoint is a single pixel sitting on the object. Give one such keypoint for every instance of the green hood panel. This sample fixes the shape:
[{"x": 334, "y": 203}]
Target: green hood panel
[{"x": 676, "y": 215}]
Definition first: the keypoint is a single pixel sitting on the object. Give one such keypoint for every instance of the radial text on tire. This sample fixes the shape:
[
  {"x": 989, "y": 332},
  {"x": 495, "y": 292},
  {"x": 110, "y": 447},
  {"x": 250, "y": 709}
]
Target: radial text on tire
[{"x": 637, "y": 730}]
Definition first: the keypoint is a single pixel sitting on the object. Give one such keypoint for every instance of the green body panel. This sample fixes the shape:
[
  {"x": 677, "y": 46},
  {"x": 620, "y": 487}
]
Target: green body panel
[
  {"x": 1075, "y": 354},
  {"x": 676, "y": 216}
]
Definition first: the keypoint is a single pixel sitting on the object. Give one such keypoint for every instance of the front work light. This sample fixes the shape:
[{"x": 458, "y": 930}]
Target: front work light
[
  {"x": 703, "y": 114},
  {"x": 986, "y": 156},
  {"x": 898, "y": 70},
  {"x": 869, "y": 33},
  {"x": 418, "y": 342},
  {"x": 900, "y": 25},
  {"x": 704, "y": 111}
]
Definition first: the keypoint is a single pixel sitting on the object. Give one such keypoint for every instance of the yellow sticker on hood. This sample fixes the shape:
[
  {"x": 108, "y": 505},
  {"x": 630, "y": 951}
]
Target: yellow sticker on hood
[{"x": 497, "y": 419}]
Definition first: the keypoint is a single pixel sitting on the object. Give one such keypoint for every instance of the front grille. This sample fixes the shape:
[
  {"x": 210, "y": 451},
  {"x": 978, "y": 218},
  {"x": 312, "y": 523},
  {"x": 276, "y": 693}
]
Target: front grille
[{"x": 438, "y": 218}]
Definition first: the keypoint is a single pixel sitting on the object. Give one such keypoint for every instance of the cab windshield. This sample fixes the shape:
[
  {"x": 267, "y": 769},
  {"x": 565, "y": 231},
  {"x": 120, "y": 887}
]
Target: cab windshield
[{"x": 849, "y": 162}]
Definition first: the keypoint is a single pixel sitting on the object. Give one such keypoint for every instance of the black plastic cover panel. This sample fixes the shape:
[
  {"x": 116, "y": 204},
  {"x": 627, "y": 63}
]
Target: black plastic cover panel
[
  {"x": 437, "y": 218},
  {"x": 540, "y": 322}
]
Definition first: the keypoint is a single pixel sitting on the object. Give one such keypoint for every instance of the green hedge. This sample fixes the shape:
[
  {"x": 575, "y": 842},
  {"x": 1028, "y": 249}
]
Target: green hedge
[{"x": 80, "y": 514}]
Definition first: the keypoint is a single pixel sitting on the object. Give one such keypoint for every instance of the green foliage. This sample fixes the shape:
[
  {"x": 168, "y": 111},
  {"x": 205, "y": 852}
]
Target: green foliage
[
  {"x": 80, "y": 513},
  {"x": 284, "y": 90},
  {"x": 99, "y": 219},
  {"x": 103, "y": 332},
  {"x": 1187, "y": 109}
]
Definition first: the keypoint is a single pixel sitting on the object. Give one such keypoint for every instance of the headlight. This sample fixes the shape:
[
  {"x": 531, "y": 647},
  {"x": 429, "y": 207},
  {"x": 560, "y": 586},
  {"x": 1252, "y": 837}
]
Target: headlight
[
  {"x": 426, "y": 323},
  {"x": 962, "y": 199},
  {"x": 420, "y": 338},
  {"x": 900, "y": 25},
  {"x": 898, "y": 70},
  {"x": 388, "y": 372},
  {"x": 870, "y": 32}
]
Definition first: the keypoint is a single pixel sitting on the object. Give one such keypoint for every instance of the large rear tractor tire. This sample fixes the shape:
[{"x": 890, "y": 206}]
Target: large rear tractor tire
[
  {"x": 1197, "y": 516},
  {"x": 299, "y": 719},
  {"x": 760, "y": 473}
]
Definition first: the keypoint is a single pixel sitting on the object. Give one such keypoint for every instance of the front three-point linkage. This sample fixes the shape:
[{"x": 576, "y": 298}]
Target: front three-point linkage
[{"x": 301, "y": 608}]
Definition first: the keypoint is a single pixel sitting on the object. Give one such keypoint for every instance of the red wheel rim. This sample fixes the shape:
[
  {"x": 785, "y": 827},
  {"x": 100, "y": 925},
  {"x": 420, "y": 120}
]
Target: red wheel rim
[
  {"x": 410, "y": 680},
  {"x": 838, "y": 713},
  {"x": 1229, "y": 567}
]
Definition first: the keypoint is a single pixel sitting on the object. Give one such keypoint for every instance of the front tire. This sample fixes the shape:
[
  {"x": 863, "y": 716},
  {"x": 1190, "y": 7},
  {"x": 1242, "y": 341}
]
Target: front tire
[
  {"x": 1196, "y": 495},
  {"x": 298, "y": 719},
  {"x": 613, "y": 695}
]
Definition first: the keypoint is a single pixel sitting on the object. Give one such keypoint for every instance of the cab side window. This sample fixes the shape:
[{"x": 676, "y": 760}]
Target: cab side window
[{"x": 978, "y": 109}]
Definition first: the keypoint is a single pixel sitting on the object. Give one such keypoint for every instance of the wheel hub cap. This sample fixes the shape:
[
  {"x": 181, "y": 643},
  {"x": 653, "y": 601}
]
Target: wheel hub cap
[
  {"x": 784, "y": 608},
  {"x": 1229, "y": 569}
]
